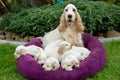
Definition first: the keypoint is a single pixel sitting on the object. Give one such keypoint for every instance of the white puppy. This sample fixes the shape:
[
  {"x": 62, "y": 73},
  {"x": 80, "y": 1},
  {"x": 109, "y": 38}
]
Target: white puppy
[
  {"x": 57, "y": 48},
  {"x": 51, "y": 64},
  {"x": 69, "y": 62},
  {"x": 50, "y": 37},
  {"x": 36, "y": 52},
  {"x": 79, "y": 52}
]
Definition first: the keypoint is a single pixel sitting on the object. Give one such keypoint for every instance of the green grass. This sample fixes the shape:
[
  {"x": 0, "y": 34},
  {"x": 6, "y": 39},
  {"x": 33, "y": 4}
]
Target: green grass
[
  {"x": 111, "y": 71},
  {"x": 8, "y": 67}
]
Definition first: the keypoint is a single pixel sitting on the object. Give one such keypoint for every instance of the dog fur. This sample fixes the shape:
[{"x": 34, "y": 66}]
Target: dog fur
[
  {"x": 36, "y": 52},
  {"x": 71, "y": 25},
  {"x": 50, "y": 37},
  {"x": 57, "y": 48},
  {"x": 51, "y": 64},
  {"x": 80, "y": 53}
]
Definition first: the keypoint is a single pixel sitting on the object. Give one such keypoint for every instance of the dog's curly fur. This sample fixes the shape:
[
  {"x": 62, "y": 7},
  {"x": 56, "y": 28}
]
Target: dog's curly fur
[{"x": 74, "y": 23}]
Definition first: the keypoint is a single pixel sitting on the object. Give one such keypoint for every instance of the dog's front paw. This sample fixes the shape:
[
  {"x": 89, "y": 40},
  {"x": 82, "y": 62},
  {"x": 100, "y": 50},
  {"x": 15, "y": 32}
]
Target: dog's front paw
[
  {"x": 46, "y": 68},
  {"x": 77, "y": 64},
  {"x": 41, "y": 62},
  {"x": 51, "y": 64},
  {"x": 68, "y": 69},
  {"x": 81, "y": 58}
]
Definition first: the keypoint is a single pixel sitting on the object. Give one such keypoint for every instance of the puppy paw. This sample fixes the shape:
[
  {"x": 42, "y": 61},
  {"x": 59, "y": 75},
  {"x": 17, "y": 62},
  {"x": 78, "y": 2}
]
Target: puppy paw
[
  {"x": 46, "y": 68},
  {"x": 76, "y": 64},
  {"x": 69, "y": 69},
  {"x": 41, "y": 62},
  {"x": 82, "y": 58}
]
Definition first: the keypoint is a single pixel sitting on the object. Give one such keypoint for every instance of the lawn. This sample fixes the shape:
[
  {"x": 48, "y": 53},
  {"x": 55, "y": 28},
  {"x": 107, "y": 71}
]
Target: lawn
[
  {"x": 111, "y": 71},
  {"x": 8, "y": 67}
]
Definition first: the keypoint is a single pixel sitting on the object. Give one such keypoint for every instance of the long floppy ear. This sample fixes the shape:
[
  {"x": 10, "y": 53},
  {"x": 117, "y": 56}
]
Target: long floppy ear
[
  {"x": 23, "y": 51},
  {"x": 62, "y": 24},
  {"x": 79, "y": 25},
  {"x": 60, "y": 50},
  {"x": 55, "y": 66}
]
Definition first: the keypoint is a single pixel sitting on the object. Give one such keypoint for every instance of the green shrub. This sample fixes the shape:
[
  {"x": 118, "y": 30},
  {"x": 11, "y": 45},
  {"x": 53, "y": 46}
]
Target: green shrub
[
  {"x": 96, "y": 16},
  {"x": 117, "y": 2}
]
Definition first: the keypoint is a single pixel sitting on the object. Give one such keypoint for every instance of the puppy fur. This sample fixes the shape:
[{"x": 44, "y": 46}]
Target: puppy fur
[
  {"x": 57, "y": 48},
  {"x": 51, "y": 64},
  {"x": 36, "y": 52},
  {"x": 69, "y": 62},
  {"x": 79, "y": 53}
]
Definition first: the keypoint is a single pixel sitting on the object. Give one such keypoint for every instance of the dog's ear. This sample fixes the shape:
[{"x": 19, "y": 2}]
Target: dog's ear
[
  {"x": 62, "y": 24},
  {"x": 55, "y": 66},
  {"x": 23, "y": 51},
  {"x": 60, "y": 50},
  {"x": 76, "y": 63},
  {"x": 73, "y": 62},
  {"x": 79, "y": 25},
  {"x": 48, "y": 56}
]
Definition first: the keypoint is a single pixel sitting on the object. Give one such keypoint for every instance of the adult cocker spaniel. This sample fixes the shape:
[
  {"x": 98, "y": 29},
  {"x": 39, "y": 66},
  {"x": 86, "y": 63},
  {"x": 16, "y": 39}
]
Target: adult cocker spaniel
[{"x": 71, "y": 26}]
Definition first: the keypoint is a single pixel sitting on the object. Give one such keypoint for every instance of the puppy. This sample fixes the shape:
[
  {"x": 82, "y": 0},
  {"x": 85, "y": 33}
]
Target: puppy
[
  {"x": 36, "y": 52},
  {"x": 70, "y": 56},
  {"x": 69, "y": 62},
  {"x": 79, "y": 52},
  {"x": 57, "y": 48},
  {"x": 51, "y": 64}
]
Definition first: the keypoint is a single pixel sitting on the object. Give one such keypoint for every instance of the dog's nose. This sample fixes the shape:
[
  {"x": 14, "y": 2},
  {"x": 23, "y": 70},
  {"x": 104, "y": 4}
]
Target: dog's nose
[{"x": 69, "y": 16}]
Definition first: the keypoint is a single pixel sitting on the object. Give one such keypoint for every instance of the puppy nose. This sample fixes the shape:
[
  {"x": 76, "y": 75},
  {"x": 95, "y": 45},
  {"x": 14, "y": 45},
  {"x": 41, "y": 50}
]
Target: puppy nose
[{"x": 69, "y": 16}]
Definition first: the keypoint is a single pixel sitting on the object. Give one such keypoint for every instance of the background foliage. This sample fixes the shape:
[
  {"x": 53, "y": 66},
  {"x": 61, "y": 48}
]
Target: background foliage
[{"x": 97, "y": 17}]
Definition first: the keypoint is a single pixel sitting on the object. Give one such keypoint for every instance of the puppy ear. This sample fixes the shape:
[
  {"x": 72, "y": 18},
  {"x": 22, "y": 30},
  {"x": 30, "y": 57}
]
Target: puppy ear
[
  {"x": 48, "y": 56},
  {"x": 23, "y": 51},
  {"x": 60, "y": 50},
  {"x": 55, "y": 66},
  {"x": 79, "y": 25},
  {"x": 62, "y": 24},
  {"x": 76, "y": 63}
]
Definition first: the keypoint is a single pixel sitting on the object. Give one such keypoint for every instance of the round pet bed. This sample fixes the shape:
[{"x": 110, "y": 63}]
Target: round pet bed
[{"x": 30, "y": 69}]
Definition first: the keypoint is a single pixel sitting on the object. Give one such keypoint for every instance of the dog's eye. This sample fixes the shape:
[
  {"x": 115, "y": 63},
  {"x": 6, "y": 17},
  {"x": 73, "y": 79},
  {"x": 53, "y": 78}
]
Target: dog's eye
[
  {"x": 73, "y": 9},
  {"x": 66, "y": 9}
]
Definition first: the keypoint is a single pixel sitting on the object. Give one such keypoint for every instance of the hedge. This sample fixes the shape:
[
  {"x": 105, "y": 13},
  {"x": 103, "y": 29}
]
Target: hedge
[{"x": 96, "y": 16}]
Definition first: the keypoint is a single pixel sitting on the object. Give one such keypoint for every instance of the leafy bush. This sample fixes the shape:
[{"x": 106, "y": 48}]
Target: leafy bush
[
  {"x": 17, "y": 5},
  {"x": 96, "y": 16},
  {"x": 117, "y": 2}
]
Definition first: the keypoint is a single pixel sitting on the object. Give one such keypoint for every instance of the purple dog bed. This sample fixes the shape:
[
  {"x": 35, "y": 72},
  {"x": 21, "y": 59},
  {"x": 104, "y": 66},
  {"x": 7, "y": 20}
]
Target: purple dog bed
[{"x": 30, "y": 69}]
